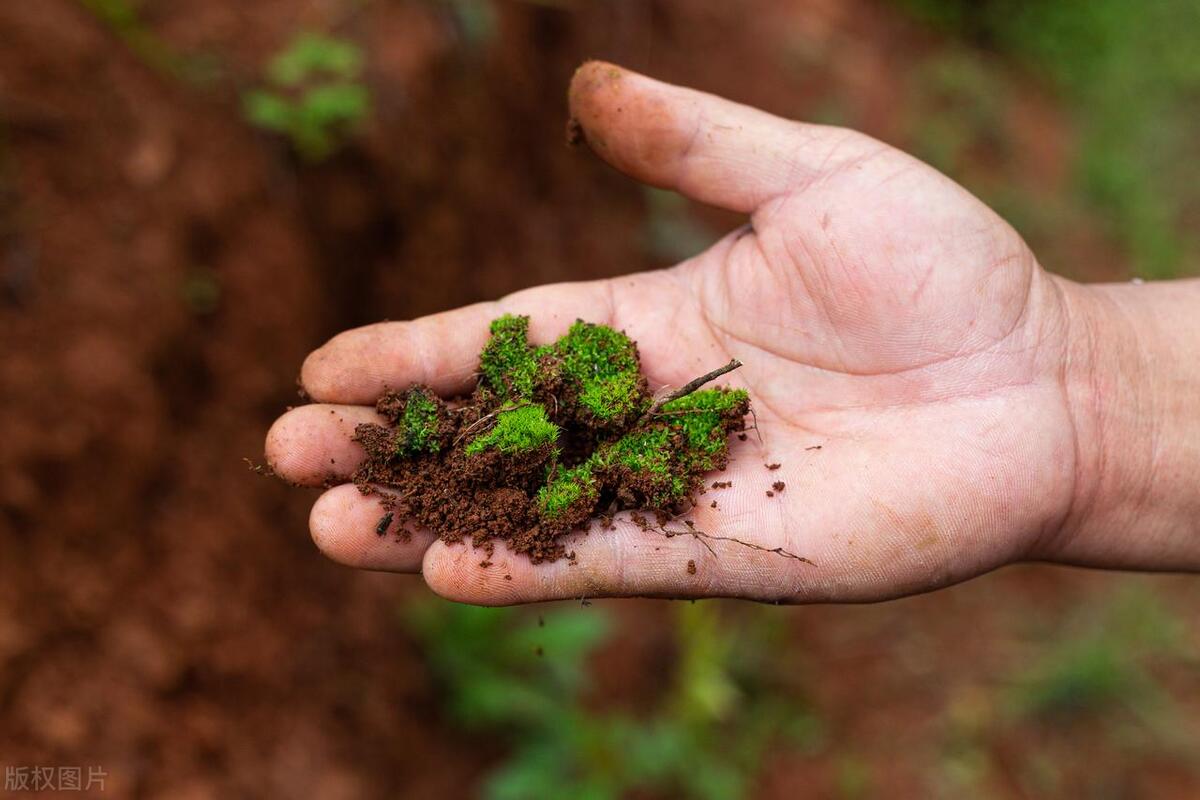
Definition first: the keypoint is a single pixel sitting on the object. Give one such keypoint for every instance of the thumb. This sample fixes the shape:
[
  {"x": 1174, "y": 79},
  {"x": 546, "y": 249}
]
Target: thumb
[{"x": 708, "y": 148}]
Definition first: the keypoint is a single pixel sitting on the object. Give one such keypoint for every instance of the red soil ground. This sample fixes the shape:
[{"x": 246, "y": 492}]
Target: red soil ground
[{"x": 165, "y": 269}]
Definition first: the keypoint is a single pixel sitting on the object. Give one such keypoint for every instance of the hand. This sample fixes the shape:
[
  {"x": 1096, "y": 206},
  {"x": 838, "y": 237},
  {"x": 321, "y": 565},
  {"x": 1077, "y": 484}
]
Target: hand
[{"x": 904, "y": 352}]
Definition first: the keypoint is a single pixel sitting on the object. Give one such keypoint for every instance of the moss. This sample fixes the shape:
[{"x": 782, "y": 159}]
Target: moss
[
  {"x": 651, "y": 456},
  {"x": 568, "y": 489},
  {"x": 519, "y": 430},
  {"x": 613, "y": 397},
  {"x": 603, "y": 365},
  {"x": 701, "y": 417},
  {"x": 508, "y": 362},
  {"x": 418, "y": 426}
]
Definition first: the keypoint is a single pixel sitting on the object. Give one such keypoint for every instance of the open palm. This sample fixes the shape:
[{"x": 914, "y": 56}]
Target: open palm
[{"x": 903, "y": 351}]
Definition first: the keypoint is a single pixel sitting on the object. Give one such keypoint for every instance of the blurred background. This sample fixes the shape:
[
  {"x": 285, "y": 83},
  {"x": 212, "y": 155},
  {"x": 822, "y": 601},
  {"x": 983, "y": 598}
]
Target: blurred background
[{"x": 195, "y": 193}]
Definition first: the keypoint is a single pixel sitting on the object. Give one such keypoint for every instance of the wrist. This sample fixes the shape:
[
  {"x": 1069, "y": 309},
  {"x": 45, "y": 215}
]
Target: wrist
[{"x": 1132, "y": 384}]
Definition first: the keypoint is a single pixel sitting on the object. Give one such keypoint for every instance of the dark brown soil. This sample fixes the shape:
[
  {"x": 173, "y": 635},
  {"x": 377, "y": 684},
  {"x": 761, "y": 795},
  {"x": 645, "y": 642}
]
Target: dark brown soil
[{"x": 489, "y": 496}]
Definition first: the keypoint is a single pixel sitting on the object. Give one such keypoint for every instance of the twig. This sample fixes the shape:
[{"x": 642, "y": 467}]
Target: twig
[{"x": 693, "y": 385}]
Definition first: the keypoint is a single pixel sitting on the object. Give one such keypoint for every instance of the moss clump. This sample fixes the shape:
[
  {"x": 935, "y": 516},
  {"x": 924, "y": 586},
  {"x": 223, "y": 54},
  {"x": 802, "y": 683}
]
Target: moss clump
[
  {"x": 552, "y": 436},
  {"x": 508, "y": 363},
  {"x": 601, "y": 366},
  {"x": 568, "y": 490},
  {"x": 523, "y": 429},
  {"x": 702, "y": 417},
  {"x": 417, "y": 427}
]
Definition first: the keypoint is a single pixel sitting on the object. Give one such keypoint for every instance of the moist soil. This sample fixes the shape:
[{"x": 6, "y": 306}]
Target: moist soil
[{"x": 492, "y": 495}]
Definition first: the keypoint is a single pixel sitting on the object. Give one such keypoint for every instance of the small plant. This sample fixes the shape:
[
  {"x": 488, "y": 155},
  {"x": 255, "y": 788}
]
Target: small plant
[
  {"x": 552, "y": 436},
  {"x": 313, "y": 94},
  {"x": 507, "y": 674}
]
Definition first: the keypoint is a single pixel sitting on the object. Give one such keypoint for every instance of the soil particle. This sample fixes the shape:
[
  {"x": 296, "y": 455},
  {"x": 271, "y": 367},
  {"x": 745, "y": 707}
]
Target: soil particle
[
  {"x": 384, "y": 523},
  {"x": 772, "y": 466},
  {"x": 814, "y": 447},
  {"x": 722, "y": 484},
  {"x": 691, "y": 567},
  {"x": 770, "y": 493},
  {"x": 713, "y": 504},
  {"x": 778, "y": 486}
]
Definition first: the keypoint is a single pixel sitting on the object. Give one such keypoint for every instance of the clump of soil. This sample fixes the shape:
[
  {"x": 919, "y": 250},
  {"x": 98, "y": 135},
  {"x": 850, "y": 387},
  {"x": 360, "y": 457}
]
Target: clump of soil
[{"x": 551, "y": 437}]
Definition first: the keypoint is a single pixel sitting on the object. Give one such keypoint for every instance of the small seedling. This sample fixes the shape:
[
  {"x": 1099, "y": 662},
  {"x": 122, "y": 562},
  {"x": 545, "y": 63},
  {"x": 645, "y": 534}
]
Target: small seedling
[
  {"x": 551, "y": 437},
  {"x": 312, "y": 93}
]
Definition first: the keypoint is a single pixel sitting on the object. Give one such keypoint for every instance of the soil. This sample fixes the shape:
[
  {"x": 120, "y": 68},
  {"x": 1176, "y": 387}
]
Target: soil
[
  {"x": 492, "y": 495},
  {"x": 164, "y": 269}
]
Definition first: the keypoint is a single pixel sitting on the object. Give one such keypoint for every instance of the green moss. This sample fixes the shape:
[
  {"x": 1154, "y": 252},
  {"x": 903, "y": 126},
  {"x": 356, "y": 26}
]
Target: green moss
[
  {"x": 603, "y": 364},
  {"x": 652, "y": 454},
  {"x": 613, "y": 397},
  {"x": 417, "y": 430},
  {"x": 700, "y": 415},
  {"x": 519, "y": 430},
  {"x": 565, "y": 490},
  {"x": 508, "y": 362}
]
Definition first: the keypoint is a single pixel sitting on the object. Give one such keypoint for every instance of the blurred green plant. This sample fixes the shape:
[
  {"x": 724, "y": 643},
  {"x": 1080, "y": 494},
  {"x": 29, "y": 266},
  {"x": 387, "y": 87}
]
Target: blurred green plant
[
  {"x": 1130, "y": 73},
  {"x": 312, "y": 93},
  {"x": 1105, "y": 663},
  {"x": 524, "y": 678},
  {"x": 124, "y": 19},
  {"x": 1101, "y": 666},
  {"x": 960, "y": 105}
]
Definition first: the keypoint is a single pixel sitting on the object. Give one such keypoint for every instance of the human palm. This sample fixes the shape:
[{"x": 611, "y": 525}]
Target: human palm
[{"x": 902, "y": 350}]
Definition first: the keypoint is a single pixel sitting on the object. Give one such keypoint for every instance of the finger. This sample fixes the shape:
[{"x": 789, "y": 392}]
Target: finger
[
  {"x": 441, "y": 350},
  {"x": 312, "y": 444},
  {"x": 624, "y": 561},
  {"x": 708, "y": 148},
  {"x": 346, "y": 524}
]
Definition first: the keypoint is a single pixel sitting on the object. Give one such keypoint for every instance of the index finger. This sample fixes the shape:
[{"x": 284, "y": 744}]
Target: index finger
[{"x": 441, "y": 350}]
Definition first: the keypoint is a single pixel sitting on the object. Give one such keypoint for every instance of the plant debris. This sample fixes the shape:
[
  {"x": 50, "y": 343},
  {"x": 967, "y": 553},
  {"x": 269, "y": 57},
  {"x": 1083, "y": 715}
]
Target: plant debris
[{"x": 551, "y": 437}]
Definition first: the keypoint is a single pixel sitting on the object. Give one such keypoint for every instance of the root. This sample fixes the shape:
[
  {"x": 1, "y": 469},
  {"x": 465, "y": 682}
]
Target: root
[{"x": 705, "y": 538}]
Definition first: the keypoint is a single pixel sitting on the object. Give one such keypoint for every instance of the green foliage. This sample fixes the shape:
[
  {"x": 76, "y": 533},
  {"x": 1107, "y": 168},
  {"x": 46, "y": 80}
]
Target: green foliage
[
  {"x": 519, "y": 430},
  {"x": 313, "y": 94},
  {"x": 508, "y": 363},
  {"x": 524, "y": 681},
  {"x": 1129, "y": 73},
  {"x": 603, "y": 364},
  {"x": 565, "y": 489},
  {"x": 417, "y": 429}
]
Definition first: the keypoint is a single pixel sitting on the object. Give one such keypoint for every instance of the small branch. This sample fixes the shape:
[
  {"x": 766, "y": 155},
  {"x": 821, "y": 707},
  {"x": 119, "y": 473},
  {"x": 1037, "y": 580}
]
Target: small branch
[{"x": 692, "y": 386}]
